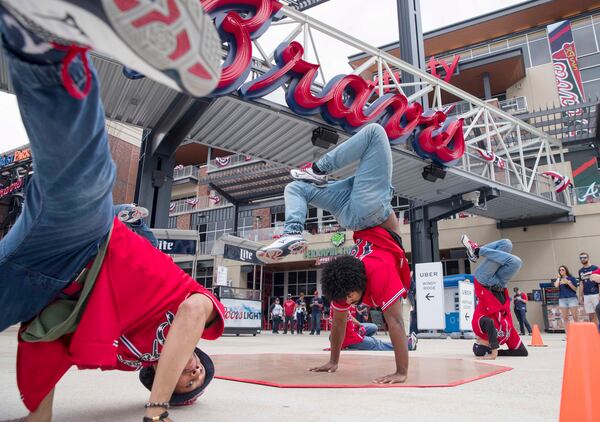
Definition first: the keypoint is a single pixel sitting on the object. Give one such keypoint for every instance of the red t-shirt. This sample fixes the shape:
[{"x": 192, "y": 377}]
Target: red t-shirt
[
  {"x": 388, "y": 274},
  {"x": 289, "y": 307},
  {"x": 127, "y": 318},
  {"x": 489, "y": 306},
  {"x": 354, "y": 334}
]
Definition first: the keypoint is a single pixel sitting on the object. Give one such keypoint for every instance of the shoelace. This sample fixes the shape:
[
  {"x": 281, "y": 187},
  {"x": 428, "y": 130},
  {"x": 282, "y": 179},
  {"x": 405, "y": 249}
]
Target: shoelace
[{"x": 74, "y": 51}]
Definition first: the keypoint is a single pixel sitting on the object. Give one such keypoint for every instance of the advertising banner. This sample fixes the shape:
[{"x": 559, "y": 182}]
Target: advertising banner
[
  {"x": 242, "y": 313},
  {"x": 238, "y": 253},
  {"x": 177, "y": 246},
  {"x": 566, "y": 68},
  {"x": 430, "y": 296},
  {"x": 466, "y": 304}
]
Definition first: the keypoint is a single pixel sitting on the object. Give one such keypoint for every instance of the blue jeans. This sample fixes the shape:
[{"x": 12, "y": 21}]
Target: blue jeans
[
  {"x": 140, "y": 227},
  {"x": 315, "y": 323},
  {"x": 68, "y": 207},
  {"x": 499, "y": 265},
  {"x": 370, "y": 342},
  {"x": 357, "y": 202}
]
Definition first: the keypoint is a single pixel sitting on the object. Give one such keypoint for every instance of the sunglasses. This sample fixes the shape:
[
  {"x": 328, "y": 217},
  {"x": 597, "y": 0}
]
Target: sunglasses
[{"x": 582, "y": 257}]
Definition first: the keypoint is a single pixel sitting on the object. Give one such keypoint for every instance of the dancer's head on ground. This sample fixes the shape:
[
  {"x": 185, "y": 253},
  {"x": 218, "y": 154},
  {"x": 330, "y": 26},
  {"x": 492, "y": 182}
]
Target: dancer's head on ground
[
  {"x": 196, "y": 375},
  {"x": 344, "y": 279}
]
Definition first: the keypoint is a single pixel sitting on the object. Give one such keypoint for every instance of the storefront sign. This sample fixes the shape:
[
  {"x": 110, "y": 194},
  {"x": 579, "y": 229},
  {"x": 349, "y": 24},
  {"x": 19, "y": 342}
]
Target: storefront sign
[
  {"x": 177, "y": 246},
  {"x": 238, "y": 253},
  {"x": 12, "y": 187},
  {"x": 344, "y": 101},
  {"x": 466, "y": 304},
  {"x": 242, "y": 313},
  {"x": 13, "y": 157},
  {"x": 318, "y": 253},
  {"x": 429, "y": 282},
  {"x": 566, "y": 68},
  {"x": 338, "y": 239}
]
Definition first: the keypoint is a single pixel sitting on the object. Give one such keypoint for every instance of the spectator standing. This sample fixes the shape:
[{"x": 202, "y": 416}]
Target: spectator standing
[
  {"x": 520, "y": 308},
  {"x": 289, "y": 309},
  {"x": 316, "y": 310},
  {"x": 588, "y": 288},
  {"x": 300, "y": 313},
  {"x": 276, "y": 315},
  {"x": 567, "y": 297}
]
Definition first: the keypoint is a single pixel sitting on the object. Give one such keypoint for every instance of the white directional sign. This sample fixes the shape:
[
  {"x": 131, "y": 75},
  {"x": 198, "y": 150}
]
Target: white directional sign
[
  {"x": 466, "y": 302},
  {"x": 221, "y": 276},
  {"x": 429, "y": 279}
]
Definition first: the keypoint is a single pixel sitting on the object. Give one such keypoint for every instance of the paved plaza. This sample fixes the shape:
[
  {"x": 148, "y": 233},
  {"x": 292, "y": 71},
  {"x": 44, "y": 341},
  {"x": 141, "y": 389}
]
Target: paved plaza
[{"x": 530, "y": 392}]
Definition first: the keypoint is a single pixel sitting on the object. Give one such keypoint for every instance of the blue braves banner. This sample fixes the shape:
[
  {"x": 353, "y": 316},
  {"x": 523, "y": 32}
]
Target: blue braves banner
[{"x": 566, "y": 68}]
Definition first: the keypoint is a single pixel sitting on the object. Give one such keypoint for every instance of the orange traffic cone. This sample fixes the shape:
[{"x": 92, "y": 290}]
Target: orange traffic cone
[
  {"x": 536, "y": 337},
  {"x": 581, "y": 375}
]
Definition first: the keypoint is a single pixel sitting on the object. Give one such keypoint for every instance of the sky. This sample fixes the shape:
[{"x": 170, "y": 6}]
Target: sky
[{"x": 372, "y": 21}]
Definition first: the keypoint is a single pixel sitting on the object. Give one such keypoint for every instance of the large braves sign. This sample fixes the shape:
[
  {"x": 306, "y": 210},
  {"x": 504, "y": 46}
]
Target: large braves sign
[{"x": 347, "y": 101}]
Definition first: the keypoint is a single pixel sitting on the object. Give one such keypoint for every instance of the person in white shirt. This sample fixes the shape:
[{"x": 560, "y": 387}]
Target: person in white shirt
[{"x": 276, "y": 314}]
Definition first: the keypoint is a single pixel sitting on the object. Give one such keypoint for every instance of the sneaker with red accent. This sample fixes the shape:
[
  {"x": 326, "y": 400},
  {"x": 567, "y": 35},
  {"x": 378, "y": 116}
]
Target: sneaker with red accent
[
  {"x": 170, "y": 41},
  {"x": 132, "y": 214},
  {"x": 307, "y": 174},
  {"x": 471, "y": 247},
  {"x": 288, "y": 244}
]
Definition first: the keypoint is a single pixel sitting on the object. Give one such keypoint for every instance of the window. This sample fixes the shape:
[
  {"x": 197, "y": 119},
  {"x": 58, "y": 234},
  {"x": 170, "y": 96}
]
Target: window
[
  {"x": 172, "y": 223},
  {"x": 592, "y": 89},
  {"x": 540, "y": 52},
  {"x": 585, "y": 42},
  {"x": 588, "y": 61},
  {"x": 204, "y": 276},
  {"x": 590, "y": 74}
]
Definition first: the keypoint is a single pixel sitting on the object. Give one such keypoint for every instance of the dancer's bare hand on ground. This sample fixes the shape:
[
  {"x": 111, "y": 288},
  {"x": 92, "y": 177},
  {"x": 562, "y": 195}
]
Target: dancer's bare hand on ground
[
  {"x": 491, "y": 356},
  {"x": 328, "y": 367},
  {"x": 395, "y": 378}
]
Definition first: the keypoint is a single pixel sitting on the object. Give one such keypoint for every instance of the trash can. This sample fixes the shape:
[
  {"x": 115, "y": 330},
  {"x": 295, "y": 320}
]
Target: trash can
[{"x": 451, "y": 301}]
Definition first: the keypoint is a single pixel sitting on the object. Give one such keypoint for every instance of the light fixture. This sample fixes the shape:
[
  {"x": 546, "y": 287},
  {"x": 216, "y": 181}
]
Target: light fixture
[
  {"x": 432, "y": 172},
  {"x": 324, "y": 138}
]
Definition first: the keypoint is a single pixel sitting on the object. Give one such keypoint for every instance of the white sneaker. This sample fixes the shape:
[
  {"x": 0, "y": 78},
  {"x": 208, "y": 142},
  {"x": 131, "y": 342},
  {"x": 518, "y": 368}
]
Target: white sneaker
[
  {"x": 306, "y": 174},
  {"x": 286, "y": 245},
  {"x": 170, "y": 41},
  {"x": 133, "y": 214},
  {"x": 470, "y": 246}
]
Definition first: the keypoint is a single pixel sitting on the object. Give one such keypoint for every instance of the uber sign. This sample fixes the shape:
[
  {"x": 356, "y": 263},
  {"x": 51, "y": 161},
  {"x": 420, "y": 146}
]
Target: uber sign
[
  {"x": 177, "y": 247},
  {"x": 240, "y": 254}
]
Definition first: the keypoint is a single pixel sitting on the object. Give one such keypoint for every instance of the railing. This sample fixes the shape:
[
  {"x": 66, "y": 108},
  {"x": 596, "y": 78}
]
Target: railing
[
  {"x": 185, "y": 172},
  {"x": 225, "y": 163},
  {"x": 514, "y": 105},
  {"x": 486, "y": 127},
  {"x": 179, "y": 206}
]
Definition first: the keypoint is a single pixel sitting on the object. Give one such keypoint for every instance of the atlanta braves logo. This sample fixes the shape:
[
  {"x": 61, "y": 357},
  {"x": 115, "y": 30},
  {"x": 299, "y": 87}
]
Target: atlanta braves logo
[{"x": 361, "y": 249}]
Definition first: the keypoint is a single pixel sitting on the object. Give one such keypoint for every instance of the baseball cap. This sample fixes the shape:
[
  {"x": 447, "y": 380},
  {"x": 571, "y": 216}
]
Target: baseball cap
[
  {"x": 289, "y": 295},
  {"x": 184, "y": 399}
]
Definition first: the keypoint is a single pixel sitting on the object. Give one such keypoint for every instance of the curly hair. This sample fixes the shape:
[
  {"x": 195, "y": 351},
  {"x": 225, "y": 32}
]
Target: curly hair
[{"x": 343, "y": 275}]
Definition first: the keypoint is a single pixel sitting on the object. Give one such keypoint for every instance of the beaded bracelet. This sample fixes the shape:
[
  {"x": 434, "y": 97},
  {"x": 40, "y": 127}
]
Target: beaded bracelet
[
  {"x": 166, "y": 405},
  {"x": 164, "y": 415}
]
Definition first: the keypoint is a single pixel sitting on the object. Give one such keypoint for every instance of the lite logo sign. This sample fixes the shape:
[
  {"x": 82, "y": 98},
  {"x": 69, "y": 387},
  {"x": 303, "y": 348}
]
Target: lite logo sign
[{"x": 345, "y": 101}]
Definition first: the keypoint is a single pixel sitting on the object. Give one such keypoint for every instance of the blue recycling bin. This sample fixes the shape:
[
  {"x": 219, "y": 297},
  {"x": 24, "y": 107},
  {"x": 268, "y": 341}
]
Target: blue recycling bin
[{"x": 451, "y": 301}]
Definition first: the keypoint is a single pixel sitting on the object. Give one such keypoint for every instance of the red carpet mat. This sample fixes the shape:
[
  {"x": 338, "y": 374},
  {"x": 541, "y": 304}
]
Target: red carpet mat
[{"x": 354, "y": 371}]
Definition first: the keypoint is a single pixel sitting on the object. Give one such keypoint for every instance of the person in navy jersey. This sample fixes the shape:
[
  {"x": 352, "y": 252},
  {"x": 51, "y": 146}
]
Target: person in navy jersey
[
  {"x": 567, "y": 297},
  {"x": 589, "y": 288},
  {"x": 520, "y": 307}
]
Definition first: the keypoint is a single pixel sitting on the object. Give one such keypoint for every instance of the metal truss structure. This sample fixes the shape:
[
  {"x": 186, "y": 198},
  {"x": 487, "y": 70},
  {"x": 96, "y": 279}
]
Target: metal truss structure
[
  {"x": 304, "y": 4},
  {"x": 521, "y": 151}
]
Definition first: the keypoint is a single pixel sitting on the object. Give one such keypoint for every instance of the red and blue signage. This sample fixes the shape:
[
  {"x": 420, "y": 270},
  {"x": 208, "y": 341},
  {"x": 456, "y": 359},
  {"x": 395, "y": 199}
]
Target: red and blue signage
[{"x": 346, "y": 101}]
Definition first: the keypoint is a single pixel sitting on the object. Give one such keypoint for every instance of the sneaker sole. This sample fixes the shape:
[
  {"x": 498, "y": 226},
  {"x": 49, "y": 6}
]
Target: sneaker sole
[
  {"x": 310, "y": 179},
  {"x": 273, "y": 255},
  {"x": 171, "y": 42}
]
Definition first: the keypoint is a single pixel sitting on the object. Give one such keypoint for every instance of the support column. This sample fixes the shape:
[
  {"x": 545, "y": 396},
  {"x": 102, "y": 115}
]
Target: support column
[
  {"x": 411, "y": 41},
  {"x": 487, "y": 87}
]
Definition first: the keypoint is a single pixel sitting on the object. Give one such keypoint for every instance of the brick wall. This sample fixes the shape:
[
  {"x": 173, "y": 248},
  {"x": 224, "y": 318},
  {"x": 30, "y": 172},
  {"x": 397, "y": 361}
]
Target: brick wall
[
  {"x": 125, "y": 156},
  {"x": 184, "y": 221},
  {"x": 265, "y": 218}
]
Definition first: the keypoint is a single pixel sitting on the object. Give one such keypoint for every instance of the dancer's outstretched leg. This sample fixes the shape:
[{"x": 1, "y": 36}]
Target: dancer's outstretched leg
[
  {"x": 499, "y": 265},
  {"x": 358, "y": 202}
]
